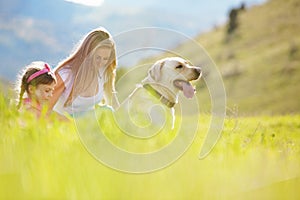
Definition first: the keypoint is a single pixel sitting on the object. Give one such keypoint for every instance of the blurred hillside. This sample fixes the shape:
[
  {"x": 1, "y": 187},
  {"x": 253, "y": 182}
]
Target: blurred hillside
[{"x": 259, "y": 61}]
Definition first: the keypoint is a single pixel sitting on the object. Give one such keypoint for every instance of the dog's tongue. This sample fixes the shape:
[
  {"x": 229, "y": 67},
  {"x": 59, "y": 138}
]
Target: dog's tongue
[{"x": 188, "y": 90}]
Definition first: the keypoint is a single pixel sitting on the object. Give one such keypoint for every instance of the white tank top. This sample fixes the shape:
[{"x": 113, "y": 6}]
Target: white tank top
[{"x": 80, "y": 104}]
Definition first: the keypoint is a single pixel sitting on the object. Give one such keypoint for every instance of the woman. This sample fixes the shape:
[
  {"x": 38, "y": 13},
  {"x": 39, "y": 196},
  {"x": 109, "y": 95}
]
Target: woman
[{"x": 87, "y": 76}]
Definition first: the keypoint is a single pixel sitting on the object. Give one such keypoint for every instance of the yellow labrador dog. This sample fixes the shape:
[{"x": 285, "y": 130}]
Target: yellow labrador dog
[
  {"x": 170, "y": 75},
  {"x": 165, "y": 79}
]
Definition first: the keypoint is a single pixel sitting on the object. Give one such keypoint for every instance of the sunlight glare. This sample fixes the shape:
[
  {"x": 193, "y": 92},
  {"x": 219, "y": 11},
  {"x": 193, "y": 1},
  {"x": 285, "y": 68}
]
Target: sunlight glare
[{"x": 87, "y": 2}]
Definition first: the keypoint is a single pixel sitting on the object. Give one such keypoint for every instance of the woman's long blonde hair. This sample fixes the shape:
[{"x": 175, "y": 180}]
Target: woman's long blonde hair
[{"x": 80, "y": 62}]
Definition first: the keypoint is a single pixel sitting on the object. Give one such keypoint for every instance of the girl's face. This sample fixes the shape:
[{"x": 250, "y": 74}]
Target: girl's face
[
  {"x": 101, "y": 57},
  {"x": 42, "y": 92}
]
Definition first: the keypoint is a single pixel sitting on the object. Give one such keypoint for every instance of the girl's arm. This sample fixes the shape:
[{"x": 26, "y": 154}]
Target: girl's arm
[{"x": 58, "y": 90}]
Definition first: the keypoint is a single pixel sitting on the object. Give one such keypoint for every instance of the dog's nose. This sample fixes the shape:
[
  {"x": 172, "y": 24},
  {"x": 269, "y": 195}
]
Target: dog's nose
[{"x": 198, "y": 70}]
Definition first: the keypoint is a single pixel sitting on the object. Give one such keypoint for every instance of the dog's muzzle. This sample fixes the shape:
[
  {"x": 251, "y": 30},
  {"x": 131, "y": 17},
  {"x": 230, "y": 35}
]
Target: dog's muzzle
[{"x": 198, "y": 72}]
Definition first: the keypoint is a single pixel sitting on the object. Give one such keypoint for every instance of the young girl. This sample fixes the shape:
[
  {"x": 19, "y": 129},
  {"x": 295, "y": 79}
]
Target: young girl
[
  {"x": 87, "y": 76},
  {"x": 37, "y": 83}
]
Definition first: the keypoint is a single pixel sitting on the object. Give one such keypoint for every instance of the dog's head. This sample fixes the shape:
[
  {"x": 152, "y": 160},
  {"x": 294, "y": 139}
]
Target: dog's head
[{"x": 175, "y": 73}]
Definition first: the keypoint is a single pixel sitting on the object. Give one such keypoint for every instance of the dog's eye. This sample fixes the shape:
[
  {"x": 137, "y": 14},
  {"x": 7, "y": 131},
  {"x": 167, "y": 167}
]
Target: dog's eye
[{"x": 179, "y": 67}]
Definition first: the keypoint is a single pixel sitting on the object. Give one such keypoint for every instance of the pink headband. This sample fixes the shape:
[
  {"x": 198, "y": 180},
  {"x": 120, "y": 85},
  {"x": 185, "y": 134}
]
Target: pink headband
[{"x": 38, "y": 73}]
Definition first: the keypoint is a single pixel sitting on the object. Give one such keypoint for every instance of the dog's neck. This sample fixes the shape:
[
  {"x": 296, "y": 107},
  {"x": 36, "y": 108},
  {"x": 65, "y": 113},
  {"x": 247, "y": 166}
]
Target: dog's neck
[
  {"x": 166, "y": 96},
  {"x": 155, "y": 93}
]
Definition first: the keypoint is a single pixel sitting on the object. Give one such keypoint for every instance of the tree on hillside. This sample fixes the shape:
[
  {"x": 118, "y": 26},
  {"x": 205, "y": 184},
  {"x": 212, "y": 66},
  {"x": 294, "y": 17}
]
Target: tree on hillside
[
  {"x": 232, "y": 24},
  {"x": 233, "y": 18}
]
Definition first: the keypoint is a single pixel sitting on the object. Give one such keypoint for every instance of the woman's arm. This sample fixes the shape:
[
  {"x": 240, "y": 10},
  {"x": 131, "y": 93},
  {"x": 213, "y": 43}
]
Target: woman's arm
[
  {"x": 111, "y": 100},
  {"x": 58, "y": 90},
  {"x": 115, "y": 101}
]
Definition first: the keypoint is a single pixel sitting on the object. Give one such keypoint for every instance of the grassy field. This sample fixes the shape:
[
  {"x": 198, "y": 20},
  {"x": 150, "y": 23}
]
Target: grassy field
[{"x": 255, "y": 158}]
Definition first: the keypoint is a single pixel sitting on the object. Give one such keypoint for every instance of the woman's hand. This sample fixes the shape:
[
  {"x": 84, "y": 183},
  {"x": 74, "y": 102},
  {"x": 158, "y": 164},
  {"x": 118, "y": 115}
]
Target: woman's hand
[{"x": 58, "y": 90}]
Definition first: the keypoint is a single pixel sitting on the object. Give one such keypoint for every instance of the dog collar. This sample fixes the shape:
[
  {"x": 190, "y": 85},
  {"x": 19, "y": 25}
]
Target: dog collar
[{"x": 163, "y": 99}]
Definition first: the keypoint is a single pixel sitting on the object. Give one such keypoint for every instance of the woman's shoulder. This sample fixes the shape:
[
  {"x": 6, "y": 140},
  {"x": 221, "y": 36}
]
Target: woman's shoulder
[{"x": 65, "y": 73}]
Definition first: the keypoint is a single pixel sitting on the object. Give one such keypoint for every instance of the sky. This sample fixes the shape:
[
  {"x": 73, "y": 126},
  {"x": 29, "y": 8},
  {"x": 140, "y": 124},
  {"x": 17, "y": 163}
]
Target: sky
[{"x": 48, "y": 29}]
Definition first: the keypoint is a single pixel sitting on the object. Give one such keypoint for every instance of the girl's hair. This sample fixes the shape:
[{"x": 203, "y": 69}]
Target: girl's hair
[
  {"x": 30, "y": 76},
  {"x": 84, "y": 71}
]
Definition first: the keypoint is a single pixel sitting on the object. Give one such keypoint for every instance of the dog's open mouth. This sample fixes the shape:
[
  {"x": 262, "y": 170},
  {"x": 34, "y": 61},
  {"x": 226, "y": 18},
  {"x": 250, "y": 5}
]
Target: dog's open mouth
[{"x": 186, "y": 87}]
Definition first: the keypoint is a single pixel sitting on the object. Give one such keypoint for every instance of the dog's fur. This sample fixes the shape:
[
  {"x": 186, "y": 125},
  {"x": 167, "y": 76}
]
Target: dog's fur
[{"x": 165, "y": 79}]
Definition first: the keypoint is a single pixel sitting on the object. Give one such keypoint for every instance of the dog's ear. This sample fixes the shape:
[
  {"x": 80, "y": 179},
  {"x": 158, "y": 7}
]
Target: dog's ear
[{"x": 155, "y": 71}]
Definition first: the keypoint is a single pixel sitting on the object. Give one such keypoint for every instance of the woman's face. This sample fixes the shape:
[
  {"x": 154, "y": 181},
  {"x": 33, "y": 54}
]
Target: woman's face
[{"x": 101, "y": 57}]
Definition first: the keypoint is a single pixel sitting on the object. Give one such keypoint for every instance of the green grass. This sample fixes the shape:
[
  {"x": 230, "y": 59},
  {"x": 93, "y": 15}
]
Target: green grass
[{"x": 256, "y": 158}]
